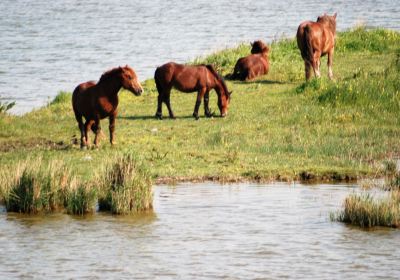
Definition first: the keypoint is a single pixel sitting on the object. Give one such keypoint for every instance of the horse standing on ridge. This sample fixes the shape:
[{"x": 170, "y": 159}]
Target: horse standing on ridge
[
  {"x": 316, "y": 39},
  {"x": 96, "y": 101}
]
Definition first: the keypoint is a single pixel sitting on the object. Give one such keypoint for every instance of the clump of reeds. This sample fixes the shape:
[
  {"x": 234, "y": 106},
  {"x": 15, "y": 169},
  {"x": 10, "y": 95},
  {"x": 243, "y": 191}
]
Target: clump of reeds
[
  {"x": 34, "y": 187},
  {"x": 81, "y": 199},
  {"x": 125, "y": 186},
  {"x": 365, "y": 210}
]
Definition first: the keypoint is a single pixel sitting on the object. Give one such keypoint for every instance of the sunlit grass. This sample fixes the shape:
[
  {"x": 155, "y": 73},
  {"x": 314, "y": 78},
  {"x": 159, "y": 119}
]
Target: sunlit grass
[{"x": 277, "y": 127}]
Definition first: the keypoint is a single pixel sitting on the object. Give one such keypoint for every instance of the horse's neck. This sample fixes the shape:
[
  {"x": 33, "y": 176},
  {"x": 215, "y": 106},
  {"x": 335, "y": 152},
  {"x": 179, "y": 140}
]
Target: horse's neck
[
  {"x": 110, "y": 88},
  {"x": 219, "y": 87},
  {"x": 330, "y": 26}
]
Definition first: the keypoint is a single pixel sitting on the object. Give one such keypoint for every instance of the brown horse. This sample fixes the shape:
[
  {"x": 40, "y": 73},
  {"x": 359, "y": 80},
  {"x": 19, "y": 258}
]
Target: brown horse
[
  {"x": 201, "y": 78},
  {"x": 316, "y": 39},
  {"x": 96, "y": 101},
  {"x": 254, "y": 65}
]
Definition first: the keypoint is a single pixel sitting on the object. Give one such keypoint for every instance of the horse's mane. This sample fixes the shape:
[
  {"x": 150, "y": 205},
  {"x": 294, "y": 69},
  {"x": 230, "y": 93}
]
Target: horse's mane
[
  {"x": 218, "y": 76},
  {"x": 329, "y": 20},
  {"x": 109, "y": 73}
]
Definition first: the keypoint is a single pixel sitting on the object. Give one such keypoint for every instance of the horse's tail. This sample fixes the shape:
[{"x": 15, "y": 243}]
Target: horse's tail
[
  {"x": 78, "y": 115},
  {"x": 157, "y": 81},
  {"x": 307, "y": 51}
]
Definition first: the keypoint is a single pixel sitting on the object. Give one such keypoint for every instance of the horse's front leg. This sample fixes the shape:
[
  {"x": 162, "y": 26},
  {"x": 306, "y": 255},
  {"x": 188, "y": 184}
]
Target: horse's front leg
[
  {"x": 112, "y": 128},
  {"x": 207, "y": 110},
  {"x": 330, "y": 62},
  {"x": 200, "y": 95}
]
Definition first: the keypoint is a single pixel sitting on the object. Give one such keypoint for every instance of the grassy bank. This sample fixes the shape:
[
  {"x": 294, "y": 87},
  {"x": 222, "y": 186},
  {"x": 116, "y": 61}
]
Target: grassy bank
[{"x": 278, "y": 127}]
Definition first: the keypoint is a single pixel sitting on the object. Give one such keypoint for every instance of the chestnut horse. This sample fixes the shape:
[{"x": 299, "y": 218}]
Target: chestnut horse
[
  {"x": 316, "y": 39},
  {"x": 201, "y": 78},
  {"x": 254, "y": 65},
  {"x": 96, "y": 101}
]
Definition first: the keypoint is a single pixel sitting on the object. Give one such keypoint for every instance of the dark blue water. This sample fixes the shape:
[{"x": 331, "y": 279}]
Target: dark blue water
[{"x": 48, "y": 46}]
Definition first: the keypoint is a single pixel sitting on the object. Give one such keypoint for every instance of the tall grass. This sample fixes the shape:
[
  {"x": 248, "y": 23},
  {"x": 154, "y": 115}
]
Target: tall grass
[
  {"x": 365, "y": 210},
  {"x": 81, "y": 199},
  {"x": 125, "y": 186},
  {"x": 34, "y": 186}
]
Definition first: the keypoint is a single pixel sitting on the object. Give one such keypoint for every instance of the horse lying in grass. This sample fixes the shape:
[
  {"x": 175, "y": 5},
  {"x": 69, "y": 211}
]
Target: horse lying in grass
[
  {"x": 201, "y": 78},
  {"x": 96, "y": 101},
  {"x": 254, "y": 65},
  {"x": 316, "y": 39}
]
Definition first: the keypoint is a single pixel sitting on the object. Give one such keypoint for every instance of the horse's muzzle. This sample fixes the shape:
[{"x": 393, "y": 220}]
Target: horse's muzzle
[{"x": 138, "y": 92}]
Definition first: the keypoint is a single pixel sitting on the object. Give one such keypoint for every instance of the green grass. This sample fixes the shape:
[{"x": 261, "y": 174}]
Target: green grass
[
  {"x": 278, "y": 127},
  {"x": 125, "y": 185},
  {"x": 34, "y": 186},
  {"x": 365, "y": 210}
]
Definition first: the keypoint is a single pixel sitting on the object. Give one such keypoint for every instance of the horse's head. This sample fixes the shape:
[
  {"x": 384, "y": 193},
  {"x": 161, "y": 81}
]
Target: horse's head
[
  {"x": 259, "y": 47},
  {"x": 328, "y": 20},
  {"x": 130, "y": 81},
  {"x": 223, "y": 102}
]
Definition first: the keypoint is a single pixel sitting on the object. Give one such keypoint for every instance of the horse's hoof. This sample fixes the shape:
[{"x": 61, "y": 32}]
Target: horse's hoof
[
  {"x": 172, "y": 117},
  {"x": 158, "y": 116}
]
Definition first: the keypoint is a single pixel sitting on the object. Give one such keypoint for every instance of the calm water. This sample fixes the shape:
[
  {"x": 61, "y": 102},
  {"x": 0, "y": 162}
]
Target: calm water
[
  {"x": 202, "y": 232},
  {"x": 48, "y": 46}
]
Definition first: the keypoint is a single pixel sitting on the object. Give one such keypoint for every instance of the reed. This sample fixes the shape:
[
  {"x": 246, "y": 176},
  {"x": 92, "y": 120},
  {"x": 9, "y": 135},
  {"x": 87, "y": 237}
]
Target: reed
[
  {"x": 81, "y": 199},
  {"x": 125, "y": 186},
  {"x": 365, "y": 210},
  {"x": 33, "y": 186}
]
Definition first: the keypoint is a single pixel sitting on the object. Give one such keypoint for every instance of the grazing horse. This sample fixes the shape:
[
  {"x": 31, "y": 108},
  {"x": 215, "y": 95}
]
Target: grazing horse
[
  {"x": 96, "y": 101},
  {"x": 201, "y": 78},
  {"x": 316, "y": 39},
  {"x": 254, "y": 65}
]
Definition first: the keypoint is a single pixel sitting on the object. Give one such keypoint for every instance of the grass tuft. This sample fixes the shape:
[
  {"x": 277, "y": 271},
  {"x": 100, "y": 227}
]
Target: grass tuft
[
  {"x": 125, "y": 186},
  {"x": 35, "y": 187},
  {"x": 365, "y": 210},
  {"x": 61, "y": 97}
]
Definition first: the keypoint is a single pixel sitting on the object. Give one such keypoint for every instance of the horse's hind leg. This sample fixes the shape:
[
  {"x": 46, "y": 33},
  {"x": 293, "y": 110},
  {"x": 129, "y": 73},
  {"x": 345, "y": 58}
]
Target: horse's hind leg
[
  {"x": 168, "y": 103},
  {"x": 88, "y": 125},
  {"x": 316, "y": 64},
  {"x": 330, "y": 62},
  {"x": 159, "y": 107},
  {"x": 97, "y": 131},
  {"x": 81, "y": 129},
  {"x": 307, "y": 66}
]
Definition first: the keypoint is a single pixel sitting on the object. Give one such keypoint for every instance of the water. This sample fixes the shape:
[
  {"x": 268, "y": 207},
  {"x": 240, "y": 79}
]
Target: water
[
  {"x": 204, "y": 232},
  {"x": 48, "y": 46}
]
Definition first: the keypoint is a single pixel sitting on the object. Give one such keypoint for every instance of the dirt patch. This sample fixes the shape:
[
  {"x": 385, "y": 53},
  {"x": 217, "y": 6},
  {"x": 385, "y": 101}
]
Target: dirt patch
[{"x": 33, "y": 143}]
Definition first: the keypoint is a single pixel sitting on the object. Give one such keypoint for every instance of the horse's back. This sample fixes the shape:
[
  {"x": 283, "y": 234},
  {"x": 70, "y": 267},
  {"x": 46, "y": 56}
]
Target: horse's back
[{"x": 81, "y": 95}]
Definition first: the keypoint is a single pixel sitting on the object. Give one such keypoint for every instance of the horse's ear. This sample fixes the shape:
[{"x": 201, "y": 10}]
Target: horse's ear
[{"x": 334, "y": 16}]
